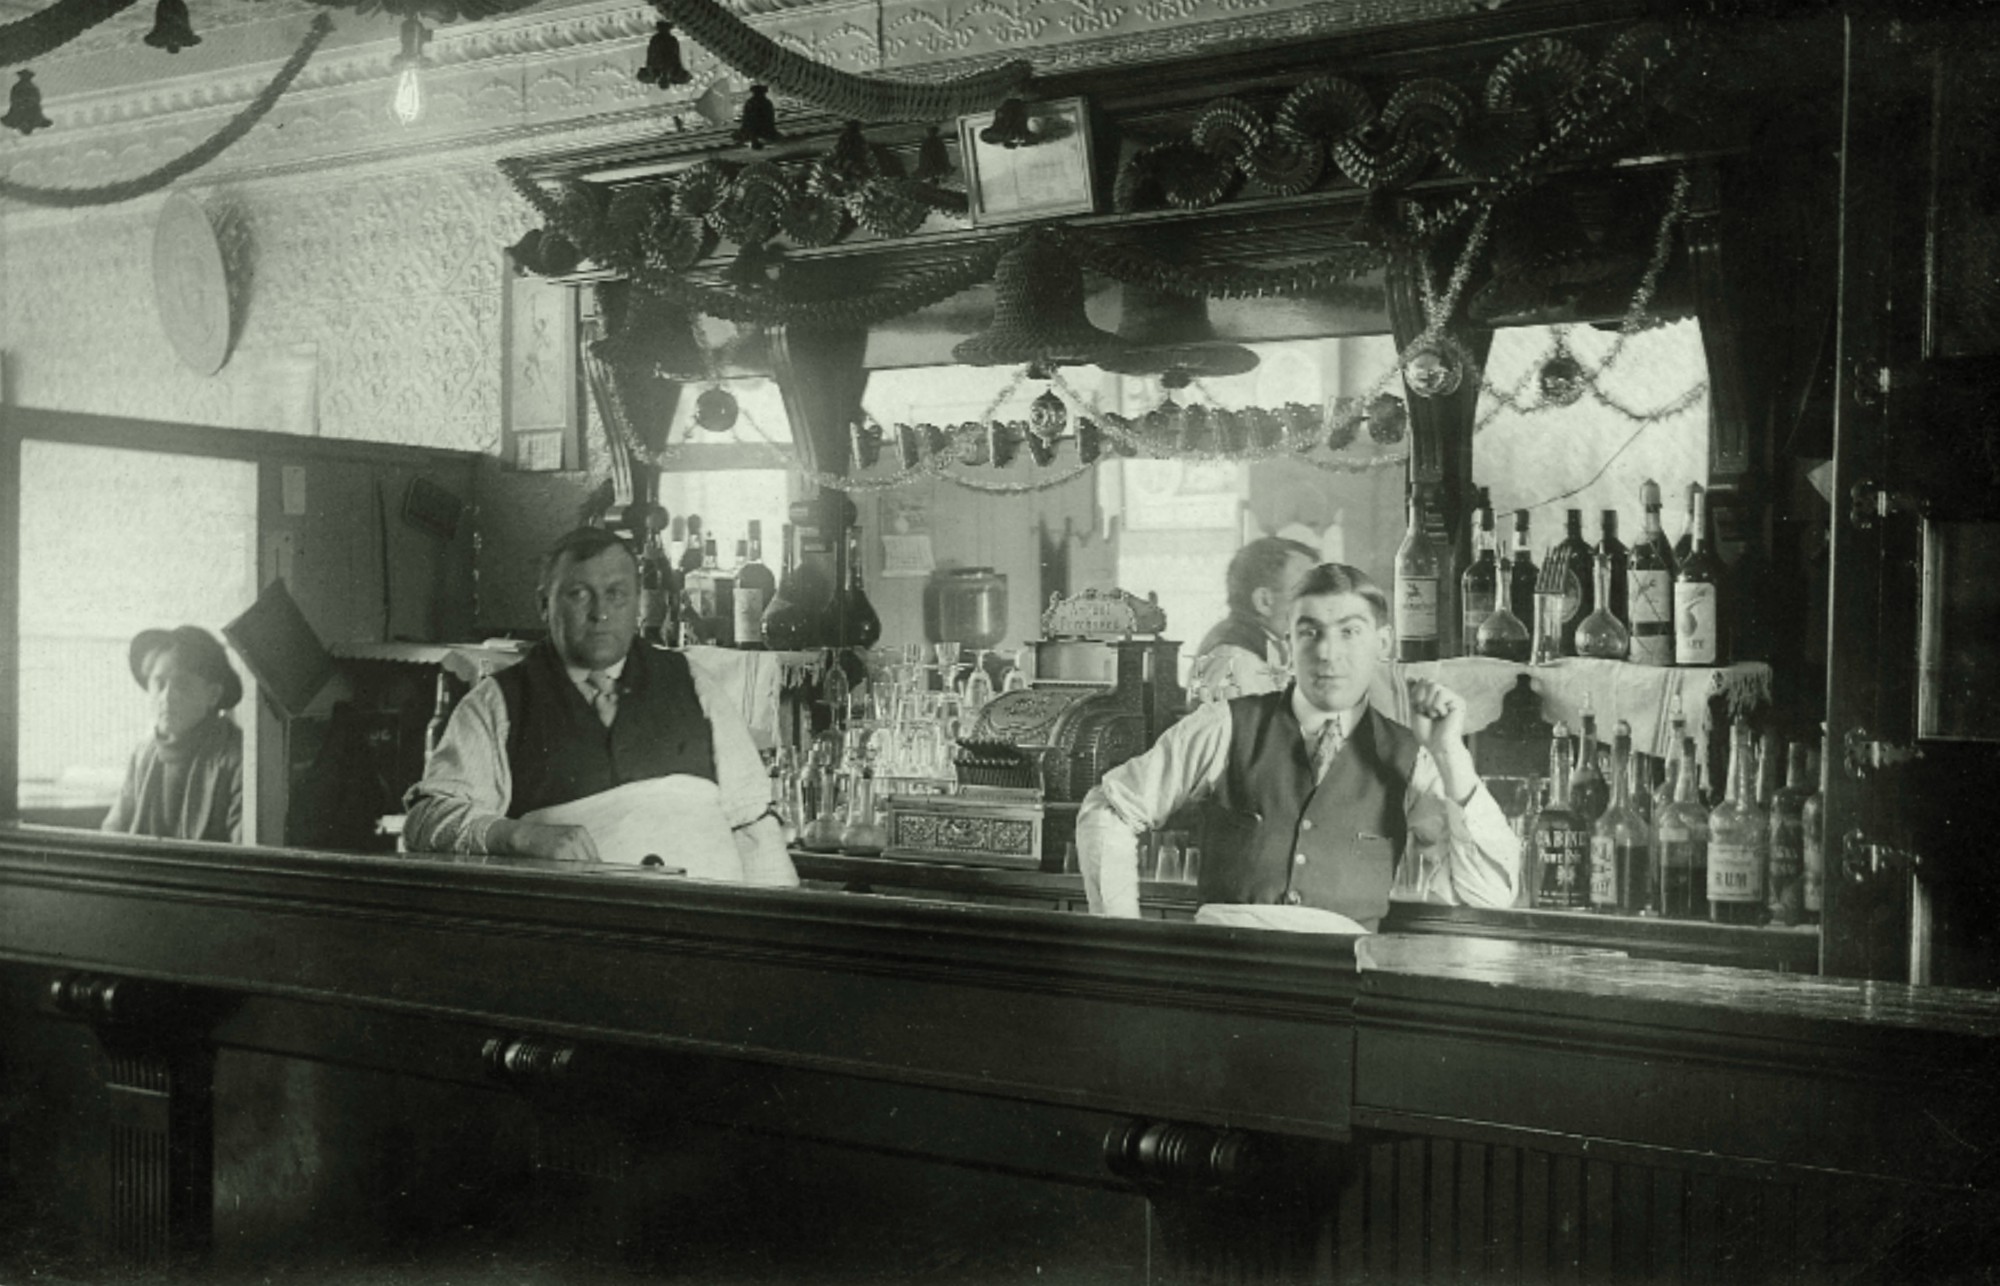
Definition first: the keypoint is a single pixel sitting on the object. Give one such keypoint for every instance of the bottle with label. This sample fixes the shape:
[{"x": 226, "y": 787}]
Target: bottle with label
[
  {"x": 440, "y": 716},
  {"x": 1785, "y": 888},
  {"x": 1739, "y": 840},
  {"x": 1684, "y": 543},
  {"x": 1651, "y": 594},
  {"x": 754, "y": 588},
  {"x": 1416, "y": 589},
  {"x": 1697, "y": 596},
  {"x": 1589, "y": 792},
  {"x": 1612, "y": 552},
  {"x": 1621, "y": 844},
  {"x": 1812, "y": 834},
  {"x": 656, "y": 579},
  {"x": 1562, "y": 840},
  {"x": 1479, "y": 588},
  {"x": 1601, "y": 634},
  {"x": 1572, "y": 560},
  {"x": 1521, "y": 577},
  {"x": 858, "y": 625},
  {"x": 1681, "y": 831}
]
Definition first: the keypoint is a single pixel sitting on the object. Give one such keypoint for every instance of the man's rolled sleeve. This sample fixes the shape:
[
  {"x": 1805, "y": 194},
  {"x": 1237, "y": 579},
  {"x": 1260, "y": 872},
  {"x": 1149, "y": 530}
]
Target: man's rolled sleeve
[
  {"x": 1459, "y": 852},
  {"x": 466, "y": 786}
]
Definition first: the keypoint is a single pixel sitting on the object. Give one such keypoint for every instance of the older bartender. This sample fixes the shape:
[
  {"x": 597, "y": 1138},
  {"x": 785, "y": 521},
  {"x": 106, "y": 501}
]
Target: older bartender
[
  {"x": 599, "y": 747},
  {"x": 1325, "y": 809}
]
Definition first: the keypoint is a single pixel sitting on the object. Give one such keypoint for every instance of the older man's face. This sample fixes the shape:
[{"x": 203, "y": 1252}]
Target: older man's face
[
  {"x": 592, "y": 608},
  {"x": 1278, "y": 615}
]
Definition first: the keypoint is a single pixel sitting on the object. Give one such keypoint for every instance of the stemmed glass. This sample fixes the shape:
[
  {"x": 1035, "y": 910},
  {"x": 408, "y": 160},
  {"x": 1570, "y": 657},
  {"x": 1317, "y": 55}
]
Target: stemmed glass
[
  {"x": 978, "y": 685},
  {"x": 947, "y": 665}
]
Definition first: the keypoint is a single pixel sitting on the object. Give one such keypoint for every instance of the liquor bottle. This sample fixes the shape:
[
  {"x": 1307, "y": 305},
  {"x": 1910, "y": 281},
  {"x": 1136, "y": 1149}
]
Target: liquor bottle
[
  {"x": 790, "y": 623},
  {"x": 1417, "y": 571},
  {"x": 1621, "y": 844},
  {"x": 656, "y": 577},
  {"x": 858, "y": 625},
  {"x": 1812, "y": 833},
  {"x": 1601, "y": 634},
  {"x": 1739, "y": 840},
  {"x": 1589, "y": 793},
  {"x": 440, "y": 716},
  {"x": 1612, "y": 551},
  {"x": 1690, "y": 523},
  {"x": 1572, "y": 559},
  {"x": 697, "y": 588},
  {"x": 1677, "y": 733},
  {"x": 1562, "y": 840},
  {"x": 1697, "y": 596},
  {"x": 1502, "y": 635},
  {"x": 1479, "y": 588},
  {"x": 1785, "y": 889},
  {"x": 1521, "y": 579},
  {"x": 1651, "y": 594},
  {"x": 1681, "y": 829},
  {"x": 754, "y": 588},
  {"x": 692, "y": 552}
]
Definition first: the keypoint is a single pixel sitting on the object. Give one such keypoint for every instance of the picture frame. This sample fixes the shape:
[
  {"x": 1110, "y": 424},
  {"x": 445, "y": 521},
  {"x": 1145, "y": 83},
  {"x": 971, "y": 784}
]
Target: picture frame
[{"x": 1054, "y": 176}]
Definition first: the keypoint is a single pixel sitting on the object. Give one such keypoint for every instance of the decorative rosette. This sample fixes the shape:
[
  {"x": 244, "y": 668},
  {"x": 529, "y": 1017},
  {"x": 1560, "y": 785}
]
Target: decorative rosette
[
  {"x": 580, "y": 213},
  {"x": 1535, "y": 77},
  {"x": 1229, "y": 129},
  {"x": 716, "y": 410},
  {"x": 1176, "y": 172},
  {"x": 626, "y": 218},
  {"x": 749, "y": 212},
  {"x": 1343, "y": 423},
  {"x": 1387, "y": 419},
  {"x": 886, "y": 210},
  {"x": 700, "y": 189},
  {"x": 1429, "y": 114},
  {"x": 1561, "y": 379},
  {"x": 1286, "y": 164},
  {"x": 811, "y": 220},
  {"x": 825, "y": 179},
  {"x": 673, "y": 241},
  {"x": 1326, "y": 108}
]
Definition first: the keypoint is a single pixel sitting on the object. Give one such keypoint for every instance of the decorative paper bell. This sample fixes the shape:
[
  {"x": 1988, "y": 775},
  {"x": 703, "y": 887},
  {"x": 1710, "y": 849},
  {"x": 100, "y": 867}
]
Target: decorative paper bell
[
  {"x": 1560, "y": 380},
  {"x": 1387, "y": 418},
  {"x": 1547, "y": 268},
  {"x": 1002, "y": 441},
  {"x": 24, "y": 106},
  {"x": 663, "y": 59},
  {"x": 172, "y": 30},
  {"x": 850, "y": 156},
  {"x": 1038, "y": 313},
  {"x": 933, "y": 158},
  {"x": 1436, "y": 367},
  {"x": 526, "y": 254},
  {"x": 554, "y": 255},
  {"x": 1172, "y": 337},
  {"x": 867, "y": 440},
  {"x": 1089, "y": 440},
  {"x": 1011, "y": 126},
  {"x": 715, "y": 410},
  {"x": 759, "y": 122}
]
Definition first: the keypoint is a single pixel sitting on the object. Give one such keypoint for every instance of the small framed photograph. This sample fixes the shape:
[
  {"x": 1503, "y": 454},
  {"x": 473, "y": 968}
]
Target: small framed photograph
[{"x": 1049, "y": 176}]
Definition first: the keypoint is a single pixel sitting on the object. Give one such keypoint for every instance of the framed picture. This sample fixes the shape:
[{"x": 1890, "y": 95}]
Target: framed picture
[
  {"x": 541, "y": 407},
  {"x": 1051, "y": 176}
]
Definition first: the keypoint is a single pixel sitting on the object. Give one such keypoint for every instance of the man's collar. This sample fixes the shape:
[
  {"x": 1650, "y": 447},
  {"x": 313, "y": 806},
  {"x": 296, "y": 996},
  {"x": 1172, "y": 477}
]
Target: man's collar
[
  {"x": 1310, "y": 717},
  {"x": 581, "y": 677}
]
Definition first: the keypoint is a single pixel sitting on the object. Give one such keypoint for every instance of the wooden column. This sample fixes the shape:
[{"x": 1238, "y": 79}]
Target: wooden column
[{"x": 820, "y": 375}]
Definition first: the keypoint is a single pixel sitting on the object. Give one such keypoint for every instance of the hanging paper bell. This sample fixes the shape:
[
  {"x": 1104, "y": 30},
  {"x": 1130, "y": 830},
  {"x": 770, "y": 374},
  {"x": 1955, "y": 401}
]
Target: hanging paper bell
[
  {"x": 1089, "y": 440},
  {"x": 715, "y": 410},
  {"x": 759, "y": 122},
  {"x": 1435, "y": 367},
  {"x": 558, "y": 255},
  {"x": 172, "y": 30},
  {"x": 1038, "y": 314},
  {"x": 664, "y": 67},
  {"x": 1561, "y": 380},
  {"x": 867, "y": 440},
  {"x": 1172, "y": 337},
  {"x": 24, "y": 106},
  {"x": 1011, "y": 126},
  {"x": 526, "y": 254},
  {"x": 1387, "y": 418},
  {"x": 933, "y": 158},
  {"x": 1002, "y": 441},
  {"x": 850, "y": 156}
]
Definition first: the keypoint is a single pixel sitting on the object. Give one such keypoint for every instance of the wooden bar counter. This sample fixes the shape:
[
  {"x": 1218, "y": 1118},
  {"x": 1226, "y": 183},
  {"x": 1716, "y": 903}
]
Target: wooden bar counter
[{"x": 226, "y": 1060}]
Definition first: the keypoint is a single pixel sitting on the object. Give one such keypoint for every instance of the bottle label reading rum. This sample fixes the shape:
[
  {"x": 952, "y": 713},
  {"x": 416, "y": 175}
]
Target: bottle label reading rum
[
  {"x": 1603, "y": 873},
  {"x": 1732, "y": 873},
  {"x": 1652, "y": 617},
  {"x": 1694, "y": 619},
  {"x": 1417, "y": 609}
]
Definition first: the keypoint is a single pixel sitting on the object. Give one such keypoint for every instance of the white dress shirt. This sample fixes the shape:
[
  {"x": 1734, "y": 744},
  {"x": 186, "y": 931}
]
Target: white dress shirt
[
  {"x": 1458, "y": 851},
  {"x": 468, "y": 784}
]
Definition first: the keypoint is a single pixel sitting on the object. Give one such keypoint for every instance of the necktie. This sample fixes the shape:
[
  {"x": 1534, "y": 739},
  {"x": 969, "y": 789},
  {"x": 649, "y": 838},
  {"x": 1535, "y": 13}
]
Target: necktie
[
  {"x": 603, "y": 696},
  {"x": 1325, "y": 747}
]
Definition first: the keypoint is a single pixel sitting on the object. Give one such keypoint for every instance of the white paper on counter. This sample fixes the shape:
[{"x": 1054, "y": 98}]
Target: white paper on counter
[{"x": 679, "y": 818}]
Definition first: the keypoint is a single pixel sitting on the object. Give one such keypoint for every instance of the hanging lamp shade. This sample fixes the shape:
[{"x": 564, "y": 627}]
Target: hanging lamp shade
[
  {"x": 1548, "y": 268},
  {"x": 1171, "y": 336},
  {"x": 1038, "y": 315}
]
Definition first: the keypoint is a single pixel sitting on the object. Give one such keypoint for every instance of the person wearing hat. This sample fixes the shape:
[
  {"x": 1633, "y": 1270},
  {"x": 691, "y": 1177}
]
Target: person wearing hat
[
  {"x": 186, "y": 780},
  {"x": 1245, "y": 653},
  {"x": 600, "y": 747}
]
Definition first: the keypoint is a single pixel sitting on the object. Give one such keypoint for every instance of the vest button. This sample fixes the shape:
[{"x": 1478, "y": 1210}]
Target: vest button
[
  {"x": 1298, "y": 859},
  {"x": 1306, "y": 824},
  {"x": 1292, "y": 897}
]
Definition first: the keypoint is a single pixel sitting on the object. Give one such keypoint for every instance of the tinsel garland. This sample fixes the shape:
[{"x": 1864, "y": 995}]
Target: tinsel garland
[
  {"x": 843, "y": 94},
  {"x": 49, "y": 29},
  {"x": 192, "y": 159}
]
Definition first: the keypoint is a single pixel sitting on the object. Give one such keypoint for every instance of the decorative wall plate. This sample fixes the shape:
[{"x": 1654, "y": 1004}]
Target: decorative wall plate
[{"x": 190, "y": 285}]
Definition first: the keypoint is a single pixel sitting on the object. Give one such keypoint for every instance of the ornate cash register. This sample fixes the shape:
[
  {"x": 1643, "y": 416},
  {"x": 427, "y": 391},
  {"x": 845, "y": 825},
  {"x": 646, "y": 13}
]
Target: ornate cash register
[{"x": 1104, "y": 689}]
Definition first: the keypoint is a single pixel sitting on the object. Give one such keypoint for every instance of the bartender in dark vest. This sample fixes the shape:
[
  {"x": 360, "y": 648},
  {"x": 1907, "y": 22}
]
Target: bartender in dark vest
[
  {"x": 1323, "y": 803},
  {"x": 599, "y": 746}
]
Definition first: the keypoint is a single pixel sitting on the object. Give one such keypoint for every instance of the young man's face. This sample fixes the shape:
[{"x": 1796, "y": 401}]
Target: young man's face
[
  {"x": 1336, "y": 645},
  {"x": 592, "y": 609}
]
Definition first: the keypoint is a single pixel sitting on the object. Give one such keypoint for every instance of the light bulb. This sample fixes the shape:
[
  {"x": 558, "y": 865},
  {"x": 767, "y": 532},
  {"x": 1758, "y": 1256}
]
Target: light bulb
[{"x": 408, "y": 103}]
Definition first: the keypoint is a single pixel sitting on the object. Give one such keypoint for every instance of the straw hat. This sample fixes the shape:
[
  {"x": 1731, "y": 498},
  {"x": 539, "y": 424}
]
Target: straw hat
[
  {"x": 1171, "y": 335},
  {"x": 1038, "y": 313},
  {"x": 197, "y": 650}
]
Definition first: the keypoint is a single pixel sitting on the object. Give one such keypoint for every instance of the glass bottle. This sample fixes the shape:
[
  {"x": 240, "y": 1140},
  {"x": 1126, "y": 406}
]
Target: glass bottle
[
  {"x": 1478, "y": 589},
  {"x": 1562, "y": 841},
  {"x": 1785, "y": 891},
  {"x": 1556, "y": 594},
  {"x": 1521, "y": 578},
  {"x": 1812, "y": 833},
  {"x": 1739, "y": 840},
  {"x": 858, "y": 624},
  {"x": 1670, "y": 782},
  {"x": 1611, "y": 550},
  {"x": 1417, "y": 573},
  {"x": 1601, "y": 634},
  {"x": 1502, "y": 634},
  {"x": 1684, "y": 543},
  {"x": 1681, "y": 829},
  {"x": 864, "y": 832},
  {"x": 1697, "y": 596},
  {"x": 790, "y": 622},
  {"x": 1621, "y": 845},
  {"x": 1589, "y": 793},
  {"x": 656, "y": 581},
  {"x": 1572, "y": 559},
  {"x": 698, "y": 587},
  {"x": 755, "y": 587},
  {"x": 722, "y": 625},
  {"x": 1651, "y": 592},
  {"x": 692, "y": 552}
]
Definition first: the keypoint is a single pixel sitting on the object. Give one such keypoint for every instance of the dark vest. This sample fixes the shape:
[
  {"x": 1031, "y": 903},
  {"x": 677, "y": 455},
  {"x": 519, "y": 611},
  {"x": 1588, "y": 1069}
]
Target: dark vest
[
  {"x": 1234, "y": 630},
  {"x": 558, "y": 750},
  {"x": 1267, "y": 813}
]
